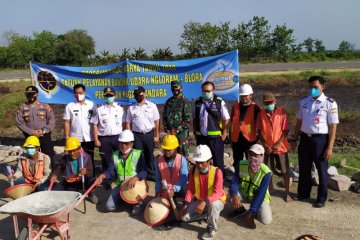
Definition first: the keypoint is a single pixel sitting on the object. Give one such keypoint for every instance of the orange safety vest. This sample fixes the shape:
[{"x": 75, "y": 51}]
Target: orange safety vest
[
  {"x": 39, "y": 169},
  {"x": 247, "y": 126},
  {"x": 173, "y": 176},
  {"x": 210, "y": 186},
  {"x": 271, "y": 132}
]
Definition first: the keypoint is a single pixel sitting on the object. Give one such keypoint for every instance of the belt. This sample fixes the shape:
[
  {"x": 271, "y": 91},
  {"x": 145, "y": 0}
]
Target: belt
[
  {"x": 313, "y": 134},
  {"x": 143, "y": 133}
]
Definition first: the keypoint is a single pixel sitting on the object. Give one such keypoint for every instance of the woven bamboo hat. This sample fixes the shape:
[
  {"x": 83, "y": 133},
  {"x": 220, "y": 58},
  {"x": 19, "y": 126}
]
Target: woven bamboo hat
[
  {"x": 19, "y": 190},
  {"x": 156, "y": 211},
  {"x": 135, "y": 194}
]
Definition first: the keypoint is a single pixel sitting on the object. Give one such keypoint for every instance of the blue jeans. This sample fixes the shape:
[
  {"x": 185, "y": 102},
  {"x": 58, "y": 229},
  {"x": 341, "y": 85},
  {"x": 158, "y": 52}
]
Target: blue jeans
[{"x": 114, "y": 199}]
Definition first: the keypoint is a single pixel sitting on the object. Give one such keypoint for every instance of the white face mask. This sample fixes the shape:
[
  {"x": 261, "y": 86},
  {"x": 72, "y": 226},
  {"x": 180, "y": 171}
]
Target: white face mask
[
  {"x": 126, "y": 151},
  {"x": 80, "y": 97}
]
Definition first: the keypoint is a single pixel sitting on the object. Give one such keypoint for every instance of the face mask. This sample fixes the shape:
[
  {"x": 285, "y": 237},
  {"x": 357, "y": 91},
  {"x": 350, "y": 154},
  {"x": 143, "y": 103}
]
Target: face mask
[
  {"x": 206, "y": 170},
  {"x": 246, "y": 104},
  {"x": 207, "y": 96},
  {"x": 176, "y": 92},
  {"x": 109, "y": 99},
  {"x": 255, "y": 163},
  {"x": 314, "y": 92},
  {"x": 270, "y": 107},
  {"x": 30, "y": 151},
  {"x": 31, "y": 98},
  {"x": 126, "y": 151},
  {"x": 80, "y": 97},
  {"x": 139, "y": 98}
]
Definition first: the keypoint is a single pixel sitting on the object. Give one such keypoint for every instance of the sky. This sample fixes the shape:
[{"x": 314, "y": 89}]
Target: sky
[{"x": 118, "y": 24}]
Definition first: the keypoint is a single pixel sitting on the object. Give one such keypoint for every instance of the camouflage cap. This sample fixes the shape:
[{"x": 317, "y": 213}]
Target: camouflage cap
[
  {"x": 269, "y": 97},
  {"x": 108, "y": 91},
  {"x": 176, "y": 83},
  {"x": 31, "y": 89}
]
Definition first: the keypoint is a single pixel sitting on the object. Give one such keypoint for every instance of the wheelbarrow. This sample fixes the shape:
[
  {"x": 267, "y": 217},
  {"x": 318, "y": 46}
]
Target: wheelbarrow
[{"x": 46, "y": 209}]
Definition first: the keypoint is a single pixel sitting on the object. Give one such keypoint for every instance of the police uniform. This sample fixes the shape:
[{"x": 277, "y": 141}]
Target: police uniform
[
  {"x": 37, "y": 116},
  {"x": 109, "y": 119},
  {"x": 79, "y": 115},
  {"x": 316, "y": 116},
  {"x": 208, "y": 116},
  {"x": 142, "y": 119}
]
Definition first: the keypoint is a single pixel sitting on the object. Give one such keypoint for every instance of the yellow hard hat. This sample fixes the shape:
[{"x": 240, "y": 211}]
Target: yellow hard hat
[
  {"x": 170, "y": 142},
  {"x": 72, "y": 143},
  {"x": 32, "y": 141}
]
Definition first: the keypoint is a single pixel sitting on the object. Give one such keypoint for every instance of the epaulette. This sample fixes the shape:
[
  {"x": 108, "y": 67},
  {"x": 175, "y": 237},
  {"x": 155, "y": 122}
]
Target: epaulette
[
  {"x": 330, "y": 99},
  {"x": 197, "y": 99},
  {"x": 98, "y": 105},
  {"x": 219, "y": 98}
]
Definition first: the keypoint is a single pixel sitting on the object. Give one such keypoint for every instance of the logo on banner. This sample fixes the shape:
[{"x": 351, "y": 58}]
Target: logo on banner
[
  {"x": 223, "y": 79},
  {"x": 46, "y": 81}
]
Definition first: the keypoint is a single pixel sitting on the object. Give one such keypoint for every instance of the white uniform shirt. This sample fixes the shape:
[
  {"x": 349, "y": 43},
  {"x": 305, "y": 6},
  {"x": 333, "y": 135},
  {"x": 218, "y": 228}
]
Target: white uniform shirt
[
  {"x": 317, "y": 115},
  {"x": 109, "y": 119},
  {"x": 79, "y": 116},
  {"x": 204, "y": 115},
  {"x": 142, "y": 117}
]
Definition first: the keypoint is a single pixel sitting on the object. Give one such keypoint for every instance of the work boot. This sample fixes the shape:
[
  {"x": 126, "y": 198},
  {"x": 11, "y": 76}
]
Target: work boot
[
  {"x": 137, "y": 208},
  {"x": 208, "y": 234},
  {"x": 247, "y": 221},
  {"x": 92, "y": 198}
]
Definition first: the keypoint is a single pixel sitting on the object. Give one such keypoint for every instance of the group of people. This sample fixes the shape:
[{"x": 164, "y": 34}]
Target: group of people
[{"x": 258, "y": 136}]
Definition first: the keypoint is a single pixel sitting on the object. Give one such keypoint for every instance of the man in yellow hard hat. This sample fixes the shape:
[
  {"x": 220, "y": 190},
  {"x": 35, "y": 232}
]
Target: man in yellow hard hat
[
  {"x": 171, "y": 172},
  {"x": 33, "y": 166},
  {"x": 77, "y": 167}
]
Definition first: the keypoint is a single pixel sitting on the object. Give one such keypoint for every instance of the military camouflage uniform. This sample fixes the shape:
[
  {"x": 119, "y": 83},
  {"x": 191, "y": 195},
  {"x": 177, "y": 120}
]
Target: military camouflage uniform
[{"x": 177, "y": 116}]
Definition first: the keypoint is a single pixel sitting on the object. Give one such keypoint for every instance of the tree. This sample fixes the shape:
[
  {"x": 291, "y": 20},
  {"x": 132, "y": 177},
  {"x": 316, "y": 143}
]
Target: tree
[
  {"x": 319, "y": 46},
  {"x": 20, "y": 51},
  {"x": 162, "y": 54},
  {"x": 282, "y": 42},
  {"x": 74, "y": 48},
  {"x": 125, "y": 54},
  {"x": 139, "y": 54},
  {"x": 223, "y": 43},
  {"x": 242, "y": 40},
  {"x": 309, "y": 44},
  {"x": 345, "y": 46},
  {"x": 261, "y": 37},
  {"x": 44, "y": 44}
]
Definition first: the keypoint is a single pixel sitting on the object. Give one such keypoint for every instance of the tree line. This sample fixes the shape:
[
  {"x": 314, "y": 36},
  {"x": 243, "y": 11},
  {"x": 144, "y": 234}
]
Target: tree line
[{"x": 256, "y": 40}]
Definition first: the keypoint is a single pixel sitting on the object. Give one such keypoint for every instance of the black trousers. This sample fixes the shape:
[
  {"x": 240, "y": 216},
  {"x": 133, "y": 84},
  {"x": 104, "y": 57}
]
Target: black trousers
[
  {"x": 46, "y": 145},
  {"x": 311, "y": 149},
  {"x": 89, "y": 149},
  {"x": 216, "y": 146},
  {"x": 240, "y": 151},
  {"x": 145, "y": 142},
  {"x": 109, "y": 144}
]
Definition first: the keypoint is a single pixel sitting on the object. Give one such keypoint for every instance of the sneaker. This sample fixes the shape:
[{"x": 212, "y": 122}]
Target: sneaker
[
  {"x": 137, "y": 208},
  {"x": 208, "y": 234},
  {"x": 93, "y": 198}
]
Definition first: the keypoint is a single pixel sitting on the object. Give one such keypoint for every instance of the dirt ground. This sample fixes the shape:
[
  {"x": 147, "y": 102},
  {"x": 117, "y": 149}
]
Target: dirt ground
[{"x": 338, "y": 220}]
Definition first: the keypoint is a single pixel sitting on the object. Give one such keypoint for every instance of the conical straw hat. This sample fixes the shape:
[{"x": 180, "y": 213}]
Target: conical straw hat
[
  {"x": 156, "y": 211},
  {"x": 135, "y": 194},
  {"x": 19, "y": 190}
]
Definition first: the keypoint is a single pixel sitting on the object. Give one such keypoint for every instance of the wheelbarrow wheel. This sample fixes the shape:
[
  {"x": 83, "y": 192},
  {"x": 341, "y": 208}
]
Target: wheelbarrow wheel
[{"x": 23, "y": 234}]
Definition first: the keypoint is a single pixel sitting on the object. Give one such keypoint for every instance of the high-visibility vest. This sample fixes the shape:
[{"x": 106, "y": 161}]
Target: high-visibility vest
[
  {"x": 39, "y": 169},
  {"x": 127, "y": 168},
  {"x": 248, "y": 185},
  {"x": 173, "y": 176},
  {"x": 247, "y": 126},
  {"x": 210, "y": 186},
  {"x": 214, "y": 117},
  {"x": 271, "y": 132}
]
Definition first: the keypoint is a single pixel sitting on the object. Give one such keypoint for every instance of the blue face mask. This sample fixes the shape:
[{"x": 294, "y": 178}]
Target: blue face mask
[
  {"x": 270, "y": 107},
  {"x": 207, "y": 96},
  {"x": 314, "y": 92},
  {"x": 206, "y": 170},
  {"x": 30, "y": 151},
  {"x": 109, "y": 99}
]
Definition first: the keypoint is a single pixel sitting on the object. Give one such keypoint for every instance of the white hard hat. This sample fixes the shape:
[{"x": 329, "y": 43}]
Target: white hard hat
[
  {"x": 202, "y": 153},
  {"x": 126, "y": 136},
  {"x": 257, "y": 148},
  {"x": 245, "y": 89}
]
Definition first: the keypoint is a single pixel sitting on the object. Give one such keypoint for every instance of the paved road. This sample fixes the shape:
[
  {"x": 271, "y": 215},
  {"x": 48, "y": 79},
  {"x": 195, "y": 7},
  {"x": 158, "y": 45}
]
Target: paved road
[{"x": 245, "y": 68}]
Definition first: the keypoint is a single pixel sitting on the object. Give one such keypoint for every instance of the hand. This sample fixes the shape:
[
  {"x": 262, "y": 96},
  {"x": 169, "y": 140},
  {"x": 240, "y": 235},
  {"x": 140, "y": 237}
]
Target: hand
[
  {"x": 223, "y": 136},
  {"x": 100, "y": 178},
  {"x": 183, "y": 210},
  {"x": 268, "y": 149},
  {"x": 171, "y": 193},
  {"x": 82, "y": 172},
  {"x": 53, "y": 178},
  {"x": 156, "y": 138},
  {"x": 328, "y": 153},
  {"x": 275, "y": 146},
  {"x": 200, "y": 207},
  {"x": 38, "y": 183},
  {"x": 11, "y": 178},
  {"x": 97, "y": 142},
  {"x": 132, "y": 181},
  {"x": 163, "y": 193},
  {"x": 236, "y": 202},
  {"x": 38, "y": 133}
]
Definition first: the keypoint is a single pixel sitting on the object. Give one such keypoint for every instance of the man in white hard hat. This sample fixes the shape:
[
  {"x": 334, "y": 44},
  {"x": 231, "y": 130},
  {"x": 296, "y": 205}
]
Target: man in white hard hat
[
  {"x": 128, "y": 164},
  {"x": 205, "y": 192},
  {"x": 243, "y": 124},
  {"x": 251, "y": 185}
]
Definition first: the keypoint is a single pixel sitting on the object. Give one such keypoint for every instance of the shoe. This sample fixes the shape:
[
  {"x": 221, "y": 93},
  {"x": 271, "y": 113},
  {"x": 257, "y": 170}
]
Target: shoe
[
  {"x": 298, "y": 198},
  {"x": 247, "y": 221},
  {"x": 319, "y": 205},
  {"x": 93, "y": 198},
  {"x": 208, "y": 234},
  {"x": 137, "y": 208}
]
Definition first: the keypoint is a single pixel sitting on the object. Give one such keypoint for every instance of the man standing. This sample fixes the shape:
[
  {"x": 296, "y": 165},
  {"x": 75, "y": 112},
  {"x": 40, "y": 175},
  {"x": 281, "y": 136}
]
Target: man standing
[
  {"x": 177, "y": 117},
  {"x": 317, "y": 120},
  {"x": 107, "y": 124},
  {"x": 205, "y": 193},
  {"x": 143, "y": 119},
  {"x": 77, "y": 117},
  {"x": 251, "y": 186},
  {"x": 38, "y": 119},
  {"x": 273, "y": 129},
  {"x": 210, "y": 122},
  {"x": 243, "y": 125}
]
